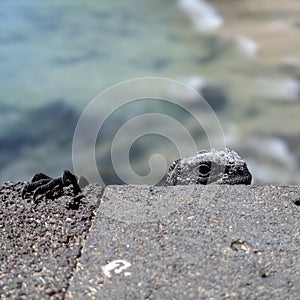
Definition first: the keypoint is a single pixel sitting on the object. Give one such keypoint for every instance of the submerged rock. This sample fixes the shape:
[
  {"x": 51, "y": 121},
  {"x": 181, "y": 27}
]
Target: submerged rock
[
  {"x": 38, "y": 132},
  {"x": 198, "y": 89},
  {"x": 215, "y": 96}
]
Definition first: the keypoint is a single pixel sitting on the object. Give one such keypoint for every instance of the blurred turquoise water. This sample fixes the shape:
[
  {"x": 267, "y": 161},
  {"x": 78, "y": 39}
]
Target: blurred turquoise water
[
  {"x": 56, "y": 52},
  {"x": 73, "y": 50},
  {"x": 56, "y": 56}
]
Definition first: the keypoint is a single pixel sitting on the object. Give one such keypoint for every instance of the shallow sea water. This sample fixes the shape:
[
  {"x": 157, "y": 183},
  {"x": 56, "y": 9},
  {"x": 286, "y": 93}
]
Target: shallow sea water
[
  {"x": 56, "y": 56},
  {"x": 72, "y": 51}
]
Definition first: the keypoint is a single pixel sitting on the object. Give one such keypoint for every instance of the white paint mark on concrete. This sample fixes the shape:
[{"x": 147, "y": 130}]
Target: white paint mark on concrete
[{"x": 117, "y": 267}]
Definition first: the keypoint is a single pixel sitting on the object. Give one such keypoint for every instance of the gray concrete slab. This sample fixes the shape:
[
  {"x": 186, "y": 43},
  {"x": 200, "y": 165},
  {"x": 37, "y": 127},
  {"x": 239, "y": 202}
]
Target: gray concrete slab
[
  {"x": 40, "y": 242},
  {"x": 192, "y": 242}
]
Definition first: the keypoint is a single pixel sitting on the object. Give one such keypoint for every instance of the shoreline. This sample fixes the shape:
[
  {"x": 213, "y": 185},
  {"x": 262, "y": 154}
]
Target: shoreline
[{"x": 276, "y": 38}]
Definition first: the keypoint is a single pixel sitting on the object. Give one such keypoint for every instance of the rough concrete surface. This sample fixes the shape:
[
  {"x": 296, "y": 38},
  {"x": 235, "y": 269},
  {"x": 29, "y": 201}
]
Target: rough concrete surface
[
  {"x": 192, "y": 242},
  {"x": 41, "y": 240}
]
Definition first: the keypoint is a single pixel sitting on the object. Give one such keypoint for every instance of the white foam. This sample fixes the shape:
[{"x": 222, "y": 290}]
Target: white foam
[
  {"x": 202, "y": 14},
  {"x": 269, "y": 159},
  {"x": 278, "y": 150},
  {"x": 190, "y": 94},
  {"x": 287, "y": 89},
  {"x": 248, "y": 46}
]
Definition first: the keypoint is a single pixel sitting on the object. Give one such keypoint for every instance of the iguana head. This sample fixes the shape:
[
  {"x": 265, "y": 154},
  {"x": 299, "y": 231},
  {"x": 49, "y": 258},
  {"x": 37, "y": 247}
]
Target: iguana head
[{"x": 221, "y": 166}]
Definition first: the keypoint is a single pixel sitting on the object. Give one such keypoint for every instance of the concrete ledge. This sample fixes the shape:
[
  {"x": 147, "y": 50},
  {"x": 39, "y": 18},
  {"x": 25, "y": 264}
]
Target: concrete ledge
[
  {"x": 152, "y": 243},
  {"x": 192, "y": 242}
]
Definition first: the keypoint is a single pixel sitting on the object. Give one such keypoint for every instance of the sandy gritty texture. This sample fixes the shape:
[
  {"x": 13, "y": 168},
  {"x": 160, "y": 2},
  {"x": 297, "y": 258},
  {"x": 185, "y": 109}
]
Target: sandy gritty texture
[
  {"x": 41, "y": 241},
  {"x": 192, "y": 242}
]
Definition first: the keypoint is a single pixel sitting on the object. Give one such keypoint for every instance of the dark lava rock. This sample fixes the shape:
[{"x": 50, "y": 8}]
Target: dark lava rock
[{"x": 40, "y": 242}]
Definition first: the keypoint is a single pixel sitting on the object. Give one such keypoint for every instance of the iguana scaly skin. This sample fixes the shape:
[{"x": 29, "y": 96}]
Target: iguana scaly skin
[
  {"x": 41, "y": 184},
  {"x": 219, "y": 166}
]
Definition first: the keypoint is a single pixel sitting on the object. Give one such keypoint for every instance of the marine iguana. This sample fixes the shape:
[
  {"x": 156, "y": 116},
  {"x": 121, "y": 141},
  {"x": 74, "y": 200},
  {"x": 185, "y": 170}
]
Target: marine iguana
[
  {"x": 42, "y": 184},
  {"x": 219, "y": 166}
]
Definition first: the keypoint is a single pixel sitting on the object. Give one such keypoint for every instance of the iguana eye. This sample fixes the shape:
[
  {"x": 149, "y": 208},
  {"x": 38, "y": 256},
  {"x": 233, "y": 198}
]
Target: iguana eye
[{"x": 204, "y": 169}]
